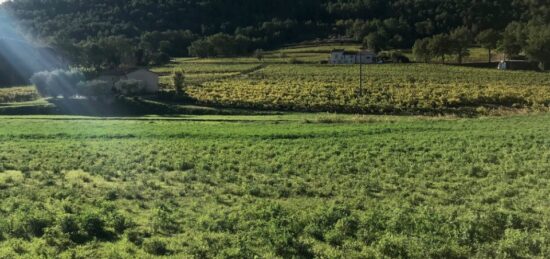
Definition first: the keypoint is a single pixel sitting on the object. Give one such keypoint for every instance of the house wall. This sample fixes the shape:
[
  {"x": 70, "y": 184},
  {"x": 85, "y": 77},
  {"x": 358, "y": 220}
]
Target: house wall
[
  {"x": 109, "y": 79},
  {"x": 151, "y": 80},
  {"x": 341, "y": 58},
  {"x": 336, "y": 57}
]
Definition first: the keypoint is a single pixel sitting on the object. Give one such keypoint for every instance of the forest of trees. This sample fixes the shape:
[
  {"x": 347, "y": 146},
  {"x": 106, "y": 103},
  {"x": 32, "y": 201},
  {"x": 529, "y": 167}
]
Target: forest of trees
[{"x": 108, "y": 33}]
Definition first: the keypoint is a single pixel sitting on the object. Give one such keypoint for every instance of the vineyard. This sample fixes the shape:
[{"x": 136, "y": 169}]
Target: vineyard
[
  {"x": 18, "y": 94},
  {"x": 292, "y": 79},
  {"x": 410, "y": 88}
]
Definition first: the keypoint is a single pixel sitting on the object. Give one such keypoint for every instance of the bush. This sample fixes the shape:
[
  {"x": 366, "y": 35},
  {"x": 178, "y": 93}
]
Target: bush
[
  {"x": 178, "y": 81},
  {"x": 394, "y": 246},
  {"x": 518, "y": 244},
  {"x": 27, "y": 225},
  {"x": 393, "y": 56},
  {"x": 295, "y": 61},
  {"x": 162, "y": 220},
  {"x": 69, "y": 225},
  {"x": 93, "y": 224},
  {"x": 57, "y": 83},
  {"x": 155, "y": 247},
  {"x": 121, "y": 223},
  {"x": 158, "y": 59},
  {"x": 94, "y": 88}
]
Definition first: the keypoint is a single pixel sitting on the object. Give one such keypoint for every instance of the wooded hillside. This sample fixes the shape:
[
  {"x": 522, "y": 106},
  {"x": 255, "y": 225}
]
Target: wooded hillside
[
  {"x": 105, "y": 34},
  {"x": 265, "y": 23}
]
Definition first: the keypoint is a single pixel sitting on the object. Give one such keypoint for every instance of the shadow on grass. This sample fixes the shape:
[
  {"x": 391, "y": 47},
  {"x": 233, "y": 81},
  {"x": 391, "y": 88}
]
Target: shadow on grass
[{"x": 120, "y": 106}]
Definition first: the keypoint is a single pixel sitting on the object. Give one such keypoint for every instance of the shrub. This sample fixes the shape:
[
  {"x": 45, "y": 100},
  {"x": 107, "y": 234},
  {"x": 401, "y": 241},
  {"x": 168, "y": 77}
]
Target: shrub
[
  {"x": 111, "y": 195},
  {"x": 393, "y": 56},
  {"x": 162, "y": 220},
  {"x": 518, "y": 244},
  {"x": 155, "y": 247},
  {"x": 295, "y": 61},
  {"x": 69, "y": 225},
  {"x": 137, "y": 236},
  {"x": 394, "y": 246},
  {"x": 158, "y": 59},
  {"x": 121, "y": 223},
  {"x": 57, "y": 83},
  {"x": 92, "y": 224},
  {"x": 178, "y": 81},
  {"x": 27, "y": 225},
  {"x": 259, "y": 54},
  {"x": 94, "y": 88}
]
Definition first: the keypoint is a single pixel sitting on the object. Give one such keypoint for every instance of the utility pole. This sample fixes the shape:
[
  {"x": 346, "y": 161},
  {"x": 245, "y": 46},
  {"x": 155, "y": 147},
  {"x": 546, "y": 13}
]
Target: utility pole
[{"x": 360, "y": 73}]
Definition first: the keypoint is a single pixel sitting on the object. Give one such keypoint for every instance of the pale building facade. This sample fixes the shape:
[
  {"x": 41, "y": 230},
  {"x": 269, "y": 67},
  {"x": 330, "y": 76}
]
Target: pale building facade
[{"x": 340, "y": 56}]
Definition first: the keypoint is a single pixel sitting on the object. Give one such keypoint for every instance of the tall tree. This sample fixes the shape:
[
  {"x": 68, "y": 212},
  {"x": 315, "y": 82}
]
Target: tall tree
[
  {"x": 440, "y": 45},
  {"x": 374, "y": 42},
  {"x": 513, "y": 39},
  {"x": 461, "y": 38},
  {"x": 488, "y": 39},
  {"x": 421, "y": 50},
  {"x": 538, "y": 45}
]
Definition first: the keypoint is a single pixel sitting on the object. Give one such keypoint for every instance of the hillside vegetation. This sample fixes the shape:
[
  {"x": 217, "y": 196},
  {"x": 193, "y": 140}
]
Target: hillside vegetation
[
  {"x": 275, "y": 187},
  {"x": 102, "y": 34}
]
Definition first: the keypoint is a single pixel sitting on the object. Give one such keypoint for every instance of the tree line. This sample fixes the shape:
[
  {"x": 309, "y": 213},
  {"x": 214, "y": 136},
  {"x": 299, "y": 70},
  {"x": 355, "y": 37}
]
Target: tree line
[
  {"x": 532, "y": 39},
  {"x": 103, "y": 34}
]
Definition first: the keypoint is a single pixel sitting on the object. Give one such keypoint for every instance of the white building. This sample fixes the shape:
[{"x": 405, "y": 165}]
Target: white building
[
  {"x": 340, "y": 56},
  {"x": 150, "y": 80}
]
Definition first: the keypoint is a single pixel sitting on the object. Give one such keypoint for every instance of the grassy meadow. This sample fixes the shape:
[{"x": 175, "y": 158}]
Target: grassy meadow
[
  {"x": 317, "y": 185},
  {"x": 246, "y": 175}
]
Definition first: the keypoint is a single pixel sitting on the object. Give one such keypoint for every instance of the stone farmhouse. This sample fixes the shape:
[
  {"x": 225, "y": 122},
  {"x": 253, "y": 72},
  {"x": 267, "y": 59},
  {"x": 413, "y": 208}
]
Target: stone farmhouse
[
  {"x": 148, "y": 79},
  {"x": 341, "y": 56}
]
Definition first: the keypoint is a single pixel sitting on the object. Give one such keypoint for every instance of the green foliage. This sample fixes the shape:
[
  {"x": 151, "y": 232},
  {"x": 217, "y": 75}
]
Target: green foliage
[
  {"x": 390, "y": 88},
  {"x": 513, "y": 39},
  {"x": 18, "y": 94},
  {"x": 374, "y": 42},
  {"x": 538, "y": 45},
  {"x": 94, "y": 88},
  {"x": 259, "y": 54},
  {"x": 440, "y": 45},
  {"x": 220, "y": 45},
  {"x": 155, "y": 247},
  {"x": 57, "y": 83},
  {"x": 162, "y": 220},
  {"x": 461, "y": 38},
  {"x": 92, "y": 224},
  {"x": 178, "y": 81},
  {"x": 129, "y": 33},
  {"x": 275, "y": 186},
  {"x": 488, "y": 39},
  {"x": 421, "y": 50}
]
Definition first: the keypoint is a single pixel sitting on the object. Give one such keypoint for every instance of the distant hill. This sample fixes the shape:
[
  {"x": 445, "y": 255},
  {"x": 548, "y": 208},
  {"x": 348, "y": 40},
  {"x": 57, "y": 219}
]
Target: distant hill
[
  {"x": 265, "y": 19},
  {"x": 106, "y": 33}
]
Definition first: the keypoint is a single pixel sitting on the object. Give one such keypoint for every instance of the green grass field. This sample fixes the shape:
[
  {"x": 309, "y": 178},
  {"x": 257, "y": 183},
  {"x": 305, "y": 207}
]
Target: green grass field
[
  {"x": 318, "y": 185},
  {"x": 257, "y": 180}
]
